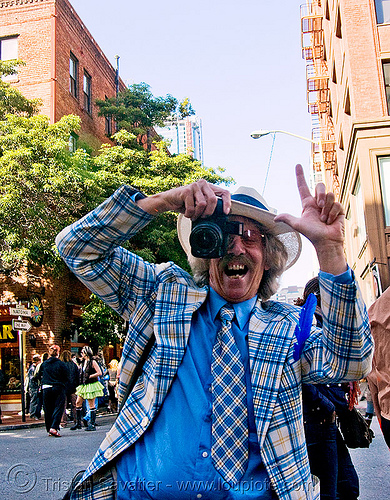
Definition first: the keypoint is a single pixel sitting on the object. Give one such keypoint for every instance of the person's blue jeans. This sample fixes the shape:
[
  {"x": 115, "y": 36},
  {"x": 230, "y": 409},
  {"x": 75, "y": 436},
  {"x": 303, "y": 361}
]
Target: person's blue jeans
[
  {"x": 347, "y": 478},
  {"x": 331, "y": 462},
  {"x": 321, "y": 441},
  {"x": 35, "y": 403}
]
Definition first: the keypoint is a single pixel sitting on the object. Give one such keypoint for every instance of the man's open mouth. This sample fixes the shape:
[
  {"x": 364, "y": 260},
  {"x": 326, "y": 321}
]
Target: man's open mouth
[{"x": 235, "y": 270}]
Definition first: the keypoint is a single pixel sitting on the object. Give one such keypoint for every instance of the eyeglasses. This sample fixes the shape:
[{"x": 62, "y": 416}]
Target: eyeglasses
[{"x": 249, "y": 237}]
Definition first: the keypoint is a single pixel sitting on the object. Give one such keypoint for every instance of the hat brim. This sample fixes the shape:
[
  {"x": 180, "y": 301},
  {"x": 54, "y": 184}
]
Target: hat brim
[{"x": 285, "y": 233}]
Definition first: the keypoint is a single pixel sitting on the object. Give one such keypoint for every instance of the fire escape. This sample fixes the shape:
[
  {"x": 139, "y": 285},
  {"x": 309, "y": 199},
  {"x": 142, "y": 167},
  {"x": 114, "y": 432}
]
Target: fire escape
[{"x": 318, "y": 95}]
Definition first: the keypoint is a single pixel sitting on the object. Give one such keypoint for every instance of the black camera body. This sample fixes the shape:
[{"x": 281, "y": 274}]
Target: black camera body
[{"x": 209, "y": 236}]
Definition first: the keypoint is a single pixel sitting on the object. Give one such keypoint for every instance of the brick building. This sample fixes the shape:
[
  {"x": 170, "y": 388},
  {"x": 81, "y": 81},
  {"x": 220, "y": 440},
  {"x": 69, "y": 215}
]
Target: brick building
[
  {"x": 67, "y": 70},
  {"x": 65, "y": 67},
  {"x": 346, "y": 44}
]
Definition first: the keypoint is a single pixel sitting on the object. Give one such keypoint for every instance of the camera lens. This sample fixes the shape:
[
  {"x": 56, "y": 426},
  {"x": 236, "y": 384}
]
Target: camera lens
[{"x": 206, "y": 240}]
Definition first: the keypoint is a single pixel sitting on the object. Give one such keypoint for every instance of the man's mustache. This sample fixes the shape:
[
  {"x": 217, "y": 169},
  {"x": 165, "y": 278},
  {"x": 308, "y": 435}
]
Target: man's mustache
[{"x": 238, "y": 259}]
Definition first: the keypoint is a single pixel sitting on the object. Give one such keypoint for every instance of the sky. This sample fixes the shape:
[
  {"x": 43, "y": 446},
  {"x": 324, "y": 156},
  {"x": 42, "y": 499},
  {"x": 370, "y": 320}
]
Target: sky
[{"x": 240, "y": 64}]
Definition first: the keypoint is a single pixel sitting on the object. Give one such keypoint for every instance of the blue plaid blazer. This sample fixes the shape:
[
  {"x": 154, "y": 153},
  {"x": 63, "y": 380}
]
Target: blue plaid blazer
[{"x": 162, "y": 298}]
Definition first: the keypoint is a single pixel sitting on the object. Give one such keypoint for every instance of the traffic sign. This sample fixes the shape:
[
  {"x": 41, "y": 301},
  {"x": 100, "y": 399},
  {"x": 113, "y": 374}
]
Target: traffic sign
[
  {"x": 20, "y": 311},
  {"x": 24, "y": 326}
]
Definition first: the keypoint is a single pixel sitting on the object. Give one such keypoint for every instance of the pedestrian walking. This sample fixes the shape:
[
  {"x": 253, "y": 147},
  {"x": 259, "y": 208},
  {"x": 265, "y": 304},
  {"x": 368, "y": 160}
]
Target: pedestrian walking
[{"x": 53, "y": 375}]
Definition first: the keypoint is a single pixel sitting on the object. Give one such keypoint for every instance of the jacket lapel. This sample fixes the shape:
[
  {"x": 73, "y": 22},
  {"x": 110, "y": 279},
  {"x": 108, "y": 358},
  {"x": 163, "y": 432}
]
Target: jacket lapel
[
  {"x": 269, "y": 338},
  {"x": 175, "y": 306}
]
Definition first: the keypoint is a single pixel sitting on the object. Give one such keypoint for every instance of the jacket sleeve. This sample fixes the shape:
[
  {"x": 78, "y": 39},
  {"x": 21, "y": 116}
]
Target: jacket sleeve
[
  {"x": 342, "y": 349},
  {"x": 91, "y": 249}
]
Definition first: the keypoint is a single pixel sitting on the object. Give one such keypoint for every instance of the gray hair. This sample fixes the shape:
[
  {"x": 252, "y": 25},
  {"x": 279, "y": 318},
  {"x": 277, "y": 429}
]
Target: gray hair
[{"x": 275, "y": 258}]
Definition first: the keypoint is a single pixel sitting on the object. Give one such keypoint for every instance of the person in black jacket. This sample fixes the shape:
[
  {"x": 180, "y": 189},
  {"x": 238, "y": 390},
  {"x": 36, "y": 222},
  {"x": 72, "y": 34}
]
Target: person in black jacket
[{"x": 54, "y": 376}]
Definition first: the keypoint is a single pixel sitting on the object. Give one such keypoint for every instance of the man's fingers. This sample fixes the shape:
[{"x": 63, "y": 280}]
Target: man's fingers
[
  {"x": 303, "y": 188},
  {"x": 200, "y": 199},
  {"x": 335, "y": 211},
  {"x": 288, "y": 219},
  {"x": 328, "y": 204},
  {"x": 320, "y": 195}
]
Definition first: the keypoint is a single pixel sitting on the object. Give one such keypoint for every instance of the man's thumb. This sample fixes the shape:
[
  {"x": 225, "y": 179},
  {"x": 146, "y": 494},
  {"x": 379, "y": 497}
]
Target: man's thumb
[{"x": 287, "y": 219}]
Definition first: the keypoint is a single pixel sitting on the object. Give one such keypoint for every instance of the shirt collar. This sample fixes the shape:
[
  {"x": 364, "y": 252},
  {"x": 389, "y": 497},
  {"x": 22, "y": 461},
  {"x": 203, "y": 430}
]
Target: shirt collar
[{"x": 242, "y": 309}]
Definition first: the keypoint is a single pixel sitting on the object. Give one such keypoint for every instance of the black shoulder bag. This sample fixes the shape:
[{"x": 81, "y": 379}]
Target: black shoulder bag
[{"x": 354, "y": 428}]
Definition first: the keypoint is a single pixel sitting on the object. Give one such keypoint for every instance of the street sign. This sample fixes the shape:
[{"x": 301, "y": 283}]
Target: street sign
[
  {"x": 20, "y": 311},
  {"x": 24, "y": 326}
]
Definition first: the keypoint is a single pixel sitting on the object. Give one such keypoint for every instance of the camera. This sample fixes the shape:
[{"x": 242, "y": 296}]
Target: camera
[{"x": 209, "y": 236}]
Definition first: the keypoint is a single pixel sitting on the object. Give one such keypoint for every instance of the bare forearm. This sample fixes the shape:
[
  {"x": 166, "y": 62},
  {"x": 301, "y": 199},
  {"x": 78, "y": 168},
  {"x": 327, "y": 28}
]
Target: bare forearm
[
  {"x": 331, "y": 258},
  {"x": 155, "y": 204}
]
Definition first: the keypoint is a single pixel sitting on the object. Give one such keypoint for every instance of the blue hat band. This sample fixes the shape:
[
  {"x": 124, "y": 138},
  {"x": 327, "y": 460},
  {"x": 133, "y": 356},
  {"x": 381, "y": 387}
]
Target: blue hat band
[{"x": 244, "y": 198}]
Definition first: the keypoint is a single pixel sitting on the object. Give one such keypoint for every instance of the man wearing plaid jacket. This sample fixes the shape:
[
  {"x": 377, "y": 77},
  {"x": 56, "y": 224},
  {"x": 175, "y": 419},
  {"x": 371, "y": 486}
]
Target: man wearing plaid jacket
[{"x": 160, "y": 445}]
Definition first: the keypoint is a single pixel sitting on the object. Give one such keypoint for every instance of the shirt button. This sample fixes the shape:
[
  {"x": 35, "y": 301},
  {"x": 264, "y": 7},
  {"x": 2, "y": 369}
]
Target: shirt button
[
  {"x": 144, "y": 422},
  {"x": 108, "y": 453},
  {"x": 199, "y": 495},
  {"x": 205, "y": 454}
]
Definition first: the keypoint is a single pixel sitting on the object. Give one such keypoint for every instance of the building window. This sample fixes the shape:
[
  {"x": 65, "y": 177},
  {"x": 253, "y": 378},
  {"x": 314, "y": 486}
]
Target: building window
[
  {"x": 358, "y": 213},
  {"x": 334, "y": 76},
  {"x": 382, "y": 8},
  {"x": 338, "y": 31},
  {"x": 384, "y": 175},
  {"x": 72, "y": 142},
  {"x": 73, "y": 72},
  {"x": 9, "y": 51},
  {"x": 327, "y": 15},
  {"x": 108, "y": 125},
  {"x": 347, "y": 103},
  {"x": 9, "y": 48},
  {"x": 386, "y": 76},
  {"x": 87, "y": 89}
]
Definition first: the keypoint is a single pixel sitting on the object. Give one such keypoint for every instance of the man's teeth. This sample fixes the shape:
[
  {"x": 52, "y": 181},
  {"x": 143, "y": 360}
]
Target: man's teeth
[{"x": 236, "y": 269}]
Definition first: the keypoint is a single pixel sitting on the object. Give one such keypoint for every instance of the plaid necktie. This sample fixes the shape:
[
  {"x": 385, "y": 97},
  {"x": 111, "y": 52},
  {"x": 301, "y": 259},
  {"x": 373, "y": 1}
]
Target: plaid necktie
[{"x": 229, "y": 438}]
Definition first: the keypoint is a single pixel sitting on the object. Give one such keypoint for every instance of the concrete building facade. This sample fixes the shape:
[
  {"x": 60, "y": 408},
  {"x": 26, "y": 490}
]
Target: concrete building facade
[
  {"x": 346, "y": 44},
  {"x": 185, "y": 136}
]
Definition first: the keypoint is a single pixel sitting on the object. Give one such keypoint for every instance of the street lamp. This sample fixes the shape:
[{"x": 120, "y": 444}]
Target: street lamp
[{"x": 260, "y": 133}]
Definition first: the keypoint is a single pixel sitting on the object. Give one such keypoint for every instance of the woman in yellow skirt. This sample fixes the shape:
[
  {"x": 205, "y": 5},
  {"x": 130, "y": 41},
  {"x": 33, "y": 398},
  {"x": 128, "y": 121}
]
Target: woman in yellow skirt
[{"x": 89, "y": 389}]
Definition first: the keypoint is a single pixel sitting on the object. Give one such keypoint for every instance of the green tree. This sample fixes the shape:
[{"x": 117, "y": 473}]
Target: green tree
[
  {"x": 101, "y": 325},
  {"x": 11, "y": 100},
  {"x": 185, "y": 108},
  {"x": 44, "y": 188},
  {"x": 136, "y": 110}
]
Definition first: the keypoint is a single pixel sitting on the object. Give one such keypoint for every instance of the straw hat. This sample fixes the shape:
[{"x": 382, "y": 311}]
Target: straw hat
[{"x": 247, "y": 202}]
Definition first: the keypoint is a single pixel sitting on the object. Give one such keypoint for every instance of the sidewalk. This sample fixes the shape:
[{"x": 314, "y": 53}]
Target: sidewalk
[{"x": 12, "y": 420}]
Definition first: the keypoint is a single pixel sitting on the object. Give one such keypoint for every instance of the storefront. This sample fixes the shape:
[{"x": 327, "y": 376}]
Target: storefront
[{"x": 9, "y": 362}]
